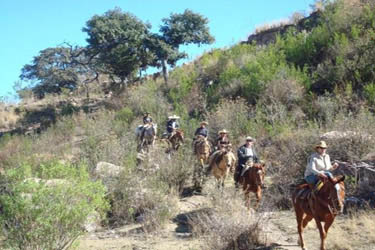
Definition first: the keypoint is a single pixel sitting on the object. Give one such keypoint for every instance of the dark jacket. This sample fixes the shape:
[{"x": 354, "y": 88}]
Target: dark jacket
[
  {"x": 171, "y": 124},
  {"x": 242, "y": 158},
  {"x": 222, "y": 141},
  {"x": 147, "y": 119},
  {"x": 201, "y": 131}
]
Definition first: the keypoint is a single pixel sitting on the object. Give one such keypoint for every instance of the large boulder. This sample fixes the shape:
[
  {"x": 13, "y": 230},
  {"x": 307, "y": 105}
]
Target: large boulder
[{"x": 107, "y": 173}]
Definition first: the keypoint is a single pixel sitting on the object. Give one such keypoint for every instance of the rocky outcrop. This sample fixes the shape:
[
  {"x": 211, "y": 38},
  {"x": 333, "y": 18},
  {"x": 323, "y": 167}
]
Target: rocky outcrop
[{"x": 269, "y": 36}]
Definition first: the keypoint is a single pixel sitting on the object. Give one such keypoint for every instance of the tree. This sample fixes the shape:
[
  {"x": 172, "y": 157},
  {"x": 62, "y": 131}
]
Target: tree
[
  {"x": 54, "y": 69},
  {"x": 117, "y": 40},
  {"x": 181, "y": 29}
]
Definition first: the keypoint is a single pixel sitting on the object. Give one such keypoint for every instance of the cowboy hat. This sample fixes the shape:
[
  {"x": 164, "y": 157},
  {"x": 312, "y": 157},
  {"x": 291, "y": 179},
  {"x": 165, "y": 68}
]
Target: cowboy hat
[
  {"x": 321, "y": 144},
  {"x": 205, "y": 123},
  {"x": 173, "y": 117},
  {"x": 249, "y": 138},
  {"x": 223, "y": 131}
]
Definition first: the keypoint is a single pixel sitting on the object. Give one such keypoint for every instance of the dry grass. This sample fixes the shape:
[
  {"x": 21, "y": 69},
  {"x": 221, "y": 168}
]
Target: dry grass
[
  {"x": 8, "y": 118},
  {"x": 353, "y": 233},
  {"x": 272, "y": 25}
]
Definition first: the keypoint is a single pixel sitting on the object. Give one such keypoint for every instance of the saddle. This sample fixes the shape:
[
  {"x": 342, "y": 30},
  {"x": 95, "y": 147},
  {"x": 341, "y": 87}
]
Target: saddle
[
  {"x": 245, "y": 167},
  {"x": 305, "y": 192}
]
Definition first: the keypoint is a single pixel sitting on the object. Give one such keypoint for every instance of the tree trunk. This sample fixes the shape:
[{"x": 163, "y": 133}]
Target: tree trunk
[{"x": 165, "y": 71}]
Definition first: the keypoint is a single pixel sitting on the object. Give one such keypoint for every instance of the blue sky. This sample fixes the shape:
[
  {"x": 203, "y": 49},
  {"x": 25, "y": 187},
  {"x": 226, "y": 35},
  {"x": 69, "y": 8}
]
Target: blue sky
[{"x": 29, "y": 26}]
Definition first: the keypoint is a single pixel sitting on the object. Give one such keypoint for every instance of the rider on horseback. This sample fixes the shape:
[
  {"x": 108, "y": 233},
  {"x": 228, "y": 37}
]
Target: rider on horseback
[
  {"x": 201, "y": 132},
  {"x": 147, "y": 121},
  {"x": 172, "y": 125},
  {"x": 318, "y": 165},
  {"x": 245, "y": 153},
  {"x": 222, "y": 141}
]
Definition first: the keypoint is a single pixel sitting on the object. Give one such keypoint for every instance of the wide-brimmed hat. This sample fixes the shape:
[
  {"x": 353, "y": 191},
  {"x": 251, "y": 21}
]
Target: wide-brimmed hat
[
  {"x": 173, "y": 117},
  {"x": 146, "y": 113},
  {"x": 249, "y": 138},
  {"x": 321, "y": 144},
  {"x": 223, "y": 132},
  {"x": 204, "y": 123}
]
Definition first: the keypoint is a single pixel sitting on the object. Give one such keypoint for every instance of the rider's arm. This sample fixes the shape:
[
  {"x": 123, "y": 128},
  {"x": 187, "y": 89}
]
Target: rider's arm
[
  {"x": 241, "y": 153},
  {"x": 313, "y": 167},
  {"x": 196, "y": 131}
]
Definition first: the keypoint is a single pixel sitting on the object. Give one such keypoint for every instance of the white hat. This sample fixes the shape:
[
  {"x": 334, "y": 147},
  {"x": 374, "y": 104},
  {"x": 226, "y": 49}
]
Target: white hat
[
  {"x": 249, "y": 138},
  {"x": 223, "y": 132},
  {"x": 173, "y": 117},
  {"x": 321, "y": 144}
]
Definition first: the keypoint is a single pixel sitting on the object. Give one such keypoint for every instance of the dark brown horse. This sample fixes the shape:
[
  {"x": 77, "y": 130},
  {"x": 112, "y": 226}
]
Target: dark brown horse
[
  {"x": 322, "y": 207},
  {"x": 176, "y": 139},
  {"x": 252, "y": 181}
]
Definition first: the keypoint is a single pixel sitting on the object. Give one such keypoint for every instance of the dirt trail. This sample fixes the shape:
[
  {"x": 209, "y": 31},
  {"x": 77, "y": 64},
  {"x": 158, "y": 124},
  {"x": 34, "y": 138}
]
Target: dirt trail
[{"x": 175, "y": 235}]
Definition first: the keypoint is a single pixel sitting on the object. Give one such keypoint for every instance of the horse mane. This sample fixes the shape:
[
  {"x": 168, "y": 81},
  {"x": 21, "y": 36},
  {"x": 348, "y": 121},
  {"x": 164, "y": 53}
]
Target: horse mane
[{"x": 219, "y": 157}]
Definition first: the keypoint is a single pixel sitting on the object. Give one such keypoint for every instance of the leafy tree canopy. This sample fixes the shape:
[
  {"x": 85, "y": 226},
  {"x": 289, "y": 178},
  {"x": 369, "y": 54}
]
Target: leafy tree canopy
[
  {"x": 117, "y": 39},
  {"x": 186, "y": 28},
  {"x": 54, "y": 69}
]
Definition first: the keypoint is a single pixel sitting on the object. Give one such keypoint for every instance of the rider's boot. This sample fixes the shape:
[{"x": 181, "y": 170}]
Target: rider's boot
[{"x": 312, "y": 188}]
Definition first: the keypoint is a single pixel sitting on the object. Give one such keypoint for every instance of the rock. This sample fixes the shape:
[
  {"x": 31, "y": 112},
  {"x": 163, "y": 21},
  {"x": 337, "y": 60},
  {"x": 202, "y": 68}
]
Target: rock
[
  {"x": 107, "y": 170},
  {"x": 92, "y": 223},
  {"x": 107, "y": 173}
]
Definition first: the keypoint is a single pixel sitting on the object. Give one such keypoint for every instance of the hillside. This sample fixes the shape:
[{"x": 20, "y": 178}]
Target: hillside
[{"x": 73, "y": 155}]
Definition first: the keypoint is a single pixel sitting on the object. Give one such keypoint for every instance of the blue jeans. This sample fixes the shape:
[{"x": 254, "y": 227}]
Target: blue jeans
[{"x": 313, "y": 179}]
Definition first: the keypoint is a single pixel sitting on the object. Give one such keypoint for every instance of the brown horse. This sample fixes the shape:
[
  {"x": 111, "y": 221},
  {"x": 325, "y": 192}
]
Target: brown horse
[
  {"x": 252, "y": 181},
  {"x": 220, "y": 164},
  {"x": 176, "y": 139},
  {"x": 202, "y": 150},
  {"x": 323, "y": 206}
]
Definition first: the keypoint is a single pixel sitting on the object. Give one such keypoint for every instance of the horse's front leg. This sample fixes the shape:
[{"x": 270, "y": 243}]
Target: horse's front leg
[
  {"x": 322, "y": 234},
  {"x": 258, "y": 195},
  {"x": 328, "y": 223}
]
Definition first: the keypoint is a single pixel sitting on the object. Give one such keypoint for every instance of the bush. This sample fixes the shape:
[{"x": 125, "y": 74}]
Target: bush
[
  {"x": 140, "y": 196},
  {"x": 231, "y": 115},
  {"x": 228, "y": 225},
  {"x": 46, "y": 207}
]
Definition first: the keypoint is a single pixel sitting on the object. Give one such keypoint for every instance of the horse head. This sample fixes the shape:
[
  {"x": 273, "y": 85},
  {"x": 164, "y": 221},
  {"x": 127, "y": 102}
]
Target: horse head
[
  {"x": 177, "y": 139},
  {"x": 180, "y": 135},
  {"x": 333, "y": 191},
  {"x": 230, "y": 160},
  {"x": 259, "y": 172}
]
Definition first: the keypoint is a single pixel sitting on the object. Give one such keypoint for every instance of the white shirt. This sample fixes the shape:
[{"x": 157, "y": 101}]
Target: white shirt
[
  {"x": 249, "y": 151},
  {"x": 317, "y": 164}
]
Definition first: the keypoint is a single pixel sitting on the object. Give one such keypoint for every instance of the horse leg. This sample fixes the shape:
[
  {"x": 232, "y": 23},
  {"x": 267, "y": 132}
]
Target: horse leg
[
  {"x": 300, "y": 227},
  {"x": 247, "y": 199},
  {"x": 327, "y": 224},
  {"x": 258, "y": 196},
  {"x": 322, "y": 233}
]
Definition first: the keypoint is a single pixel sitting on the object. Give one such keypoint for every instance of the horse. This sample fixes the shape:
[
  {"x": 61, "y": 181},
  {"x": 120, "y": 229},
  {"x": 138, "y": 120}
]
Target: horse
[
  {"x": 202, "y": 150},
  {"x": 146, "y": 135},
  {"x": 176, "y": 139},
  {"x": 322, "y": 206},
  {"x": 252, "y": 180},
  {"x": 220, "y": 164}
]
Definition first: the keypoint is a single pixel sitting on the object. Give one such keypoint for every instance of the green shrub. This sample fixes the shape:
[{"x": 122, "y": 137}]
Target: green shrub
[
  {"x": 125, "y": 115},
  {"x": 369, "y": 92},
  {"x": 46, "y": 207}
]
